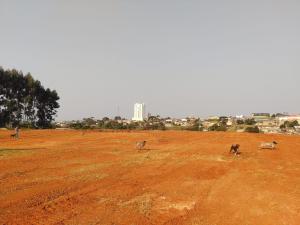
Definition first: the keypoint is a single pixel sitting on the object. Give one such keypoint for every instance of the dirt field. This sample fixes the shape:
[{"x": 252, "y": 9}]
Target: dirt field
[{"x": 64, "y": 177}]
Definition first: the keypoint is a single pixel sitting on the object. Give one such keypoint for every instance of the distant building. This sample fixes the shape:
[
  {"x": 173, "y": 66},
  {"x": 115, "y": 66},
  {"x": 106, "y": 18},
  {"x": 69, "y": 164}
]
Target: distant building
[
  {"x": 239, "y": 117},
  {"x": 229, "y": 122},
  {"x": 139, "y": 112},
  {"x": 270, "y": 129},
  {"x": 258, "y": 117},
  {"x": 213, "y": 118}
]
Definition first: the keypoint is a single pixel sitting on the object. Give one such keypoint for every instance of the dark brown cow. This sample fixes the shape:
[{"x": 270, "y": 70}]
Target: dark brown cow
[{"x": 235, "y": 149}]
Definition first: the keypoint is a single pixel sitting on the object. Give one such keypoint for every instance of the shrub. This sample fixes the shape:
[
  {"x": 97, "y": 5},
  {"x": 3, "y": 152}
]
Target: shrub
[
  {"x": 240, "y": 122},
  {"x": 250, "y": 121},
  {"x": 218, "y": 127},
  {"x": 252, "y": 129}
]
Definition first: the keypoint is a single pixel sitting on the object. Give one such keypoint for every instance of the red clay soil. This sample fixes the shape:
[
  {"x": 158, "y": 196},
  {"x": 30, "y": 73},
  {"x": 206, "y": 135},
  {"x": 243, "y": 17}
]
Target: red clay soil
[{"x": 67, "y": 177}]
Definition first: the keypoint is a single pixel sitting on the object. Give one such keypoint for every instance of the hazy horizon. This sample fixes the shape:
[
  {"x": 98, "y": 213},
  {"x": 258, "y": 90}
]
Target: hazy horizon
[{"x": 180, "y": 58}]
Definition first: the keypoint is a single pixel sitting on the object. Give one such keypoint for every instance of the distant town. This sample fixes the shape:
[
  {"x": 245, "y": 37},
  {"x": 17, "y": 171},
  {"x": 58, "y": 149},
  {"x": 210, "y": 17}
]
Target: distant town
[{"x": 254, "y": 123}]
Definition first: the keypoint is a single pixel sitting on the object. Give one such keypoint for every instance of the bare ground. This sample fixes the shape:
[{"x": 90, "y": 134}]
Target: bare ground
[{"x": 64, "y": 177}]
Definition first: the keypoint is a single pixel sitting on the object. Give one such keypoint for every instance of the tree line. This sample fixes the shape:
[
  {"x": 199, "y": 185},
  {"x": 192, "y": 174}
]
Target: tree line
[
  {"x": 116, "y": 124},
  {"x": 25, "y": 102}
]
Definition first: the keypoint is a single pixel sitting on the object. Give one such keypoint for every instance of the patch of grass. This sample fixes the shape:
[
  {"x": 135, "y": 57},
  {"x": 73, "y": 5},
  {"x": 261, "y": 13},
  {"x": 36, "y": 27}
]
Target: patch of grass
[
  {"x": 5, "y": 151},
  {"x": 10, "y": 151}
]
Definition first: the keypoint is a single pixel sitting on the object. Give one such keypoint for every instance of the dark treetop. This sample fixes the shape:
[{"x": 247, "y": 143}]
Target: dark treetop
[{"x": 24, "y": 101}]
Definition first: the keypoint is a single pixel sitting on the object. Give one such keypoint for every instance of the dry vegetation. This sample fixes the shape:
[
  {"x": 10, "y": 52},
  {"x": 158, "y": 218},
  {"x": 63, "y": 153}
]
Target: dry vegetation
[{"x": 64, "y": 177}]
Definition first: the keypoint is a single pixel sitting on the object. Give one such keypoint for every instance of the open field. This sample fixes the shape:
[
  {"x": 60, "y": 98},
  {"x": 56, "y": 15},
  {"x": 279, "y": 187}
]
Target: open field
[{"x": 64, "y": 177}]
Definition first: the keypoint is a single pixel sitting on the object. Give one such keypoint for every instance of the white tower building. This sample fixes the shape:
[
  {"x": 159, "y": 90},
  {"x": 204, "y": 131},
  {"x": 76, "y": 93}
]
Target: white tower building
[{"x": 139, "y": 112}]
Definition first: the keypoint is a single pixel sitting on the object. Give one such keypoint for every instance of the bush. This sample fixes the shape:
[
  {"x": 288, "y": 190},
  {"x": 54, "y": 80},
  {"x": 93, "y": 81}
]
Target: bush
[
  {"x": 252, "y": 129},
  {"x": 154, "y": 126},
  {"x": 250, "y": 121},
  {"x": 240, "y": 122},
  {"x": 218, "y": 127},
  {"x": 77, "y": 125},
  {"x": 288, "y": 124}
]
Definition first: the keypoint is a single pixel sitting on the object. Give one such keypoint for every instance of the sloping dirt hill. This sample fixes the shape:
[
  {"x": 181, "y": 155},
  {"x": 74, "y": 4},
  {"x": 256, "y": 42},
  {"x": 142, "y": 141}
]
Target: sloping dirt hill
[{"x": 67, "y": 177}]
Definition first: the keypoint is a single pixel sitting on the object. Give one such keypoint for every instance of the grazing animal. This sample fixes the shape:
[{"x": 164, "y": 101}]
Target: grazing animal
[
  {"x": 140, "y": 145},
  {"x": 235, "y": 149},
  {"x": 268, "y": 145}
]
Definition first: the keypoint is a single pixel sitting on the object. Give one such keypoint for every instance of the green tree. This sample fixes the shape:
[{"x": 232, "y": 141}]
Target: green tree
[{"x": 196, "y": 126}]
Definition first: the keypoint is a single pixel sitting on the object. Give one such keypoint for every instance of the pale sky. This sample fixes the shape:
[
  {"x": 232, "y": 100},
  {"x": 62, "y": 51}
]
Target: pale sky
[{"x": 180, "y": 58}]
